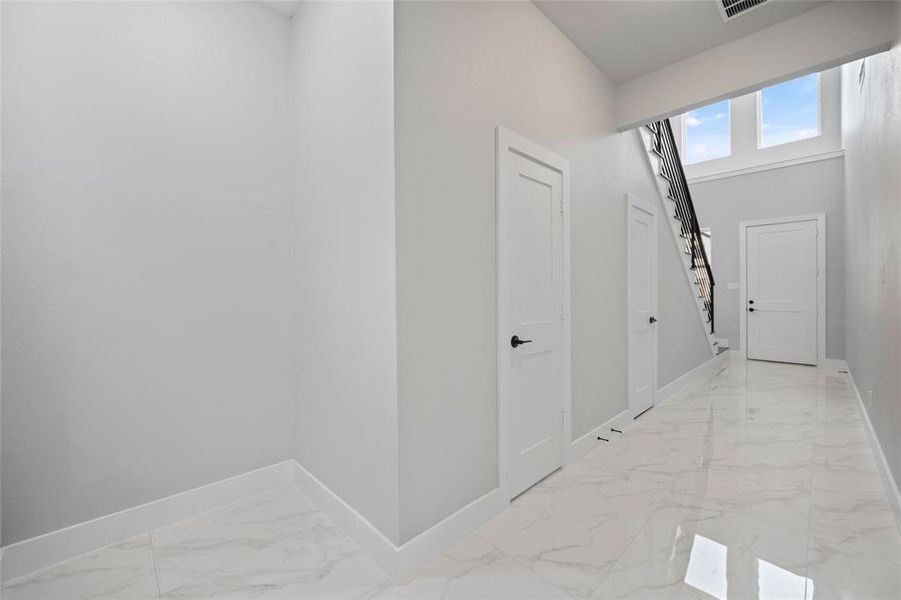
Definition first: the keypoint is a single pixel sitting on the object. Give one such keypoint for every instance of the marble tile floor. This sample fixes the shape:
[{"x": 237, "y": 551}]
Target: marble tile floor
[{"x": 754, "y": 481}]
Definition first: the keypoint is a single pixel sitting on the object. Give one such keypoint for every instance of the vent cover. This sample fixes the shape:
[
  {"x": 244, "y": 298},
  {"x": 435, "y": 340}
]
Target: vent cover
[{"x": 730, "y": 9}]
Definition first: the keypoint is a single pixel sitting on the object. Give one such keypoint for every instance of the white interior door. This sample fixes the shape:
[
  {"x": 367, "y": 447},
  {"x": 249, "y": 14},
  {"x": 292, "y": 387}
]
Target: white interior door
[
  {"x": 782, "y": 287},
  {"x": 642, "y": 240},
  {"x": 531, "y": 296}
]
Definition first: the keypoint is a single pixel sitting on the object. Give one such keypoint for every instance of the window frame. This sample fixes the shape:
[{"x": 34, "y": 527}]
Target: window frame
[
  {"x": 684, "y": 132},
  {"x": 747, "y": 157},
  {"x": 759, "y": 98}
]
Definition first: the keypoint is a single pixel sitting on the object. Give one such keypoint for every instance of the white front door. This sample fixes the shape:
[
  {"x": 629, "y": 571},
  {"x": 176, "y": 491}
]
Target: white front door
[
  {"x": 642, "y": 240},
  {"x": 531, "y": 308},
  {"x": 782, "y": 292}
]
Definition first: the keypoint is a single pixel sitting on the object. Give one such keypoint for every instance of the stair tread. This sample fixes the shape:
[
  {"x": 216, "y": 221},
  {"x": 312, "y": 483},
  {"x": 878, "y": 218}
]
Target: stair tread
[{"x": 675, "y": 190}]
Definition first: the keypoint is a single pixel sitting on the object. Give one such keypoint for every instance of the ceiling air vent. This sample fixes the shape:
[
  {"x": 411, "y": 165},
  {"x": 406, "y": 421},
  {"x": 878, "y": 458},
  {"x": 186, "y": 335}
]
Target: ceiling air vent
[{"x": 730, "y": 9}]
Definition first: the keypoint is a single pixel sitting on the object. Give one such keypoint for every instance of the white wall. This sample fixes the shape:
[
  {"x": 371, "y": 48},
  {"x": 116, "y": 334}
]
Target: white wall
[
  {"x": 461, "y": 70},
  {"x": 342, "y": 111},
  {"x": 871, "y": 127},
  {"x": 795, "y": 190},
  {"x": 815, "y": 40},
  {"x": 145, "y": 253},
  {"x": 199, "y": 246}
]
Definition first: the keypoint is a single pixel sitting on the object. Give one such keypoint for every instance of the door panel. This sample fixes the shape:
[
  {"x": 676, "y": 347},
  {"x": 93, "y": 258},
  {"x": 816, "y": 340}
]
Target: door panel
[
  {"x": 642, "y": 306},
  {"x": 782, "y": 292},
  {"x": 532, "y": 258}
]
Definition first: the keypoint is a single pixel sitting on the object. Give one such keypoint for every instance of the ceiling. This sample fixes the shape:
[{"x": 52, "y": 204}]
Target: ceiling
[{"x": 630, "y": 38}]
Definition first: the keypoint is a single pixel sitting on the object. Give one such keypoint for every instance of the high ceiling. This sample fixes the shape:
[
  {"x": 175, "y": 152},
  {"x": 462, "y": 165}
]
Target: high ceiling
[{"x": 630, "y": 38}]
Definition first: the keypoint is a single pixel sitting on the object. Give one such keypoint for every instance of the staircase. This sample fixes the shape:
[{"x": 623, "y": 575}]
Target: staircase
[{"x": 663, "y": 158}]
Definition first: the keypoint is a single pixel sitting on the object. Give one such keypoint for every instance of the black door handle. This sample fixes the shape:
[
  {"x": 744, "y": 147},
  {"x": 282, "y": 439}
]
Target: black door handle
[
  {"x": 751, "y": 309},
  {"x": 515, "y": 341},
  {"x": 652, "y": 320}
]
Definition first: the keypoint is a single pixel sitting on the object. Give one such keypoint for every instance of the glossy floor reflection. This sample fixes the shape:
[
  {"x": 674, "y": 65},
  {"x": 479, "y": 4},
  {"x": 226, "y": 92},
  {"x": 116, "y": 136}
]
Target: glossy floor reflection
[{"x": 755, "y": 481}]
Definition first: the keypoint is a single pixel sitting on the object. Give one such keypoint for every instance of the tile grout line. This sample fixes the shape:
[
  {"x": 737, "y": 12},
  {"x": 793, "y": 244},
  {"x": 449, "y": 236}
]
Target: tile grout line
[
  {"x": 810, "y": 513},
  {"x": 156, "y": 573},
  {"x": 525, "y": 566}
]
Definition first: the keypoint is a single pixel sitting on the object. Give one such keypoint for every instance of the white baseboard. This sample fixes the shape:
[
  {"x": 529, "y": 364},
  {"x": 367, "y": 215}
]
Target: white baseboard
[
  {"x": 45, "y": 550},
  {"x": 447, "y": 532},
  {"x": 586, "y": 443},
  {"x": 891, "y": 486},
  {"x": 358, "y": 527},
  {"x": 835, "y": 364},
  {"x": 50, "y": 548},
  {"x": 400, "y": 561},
  {"x": 677, "y": 384}
]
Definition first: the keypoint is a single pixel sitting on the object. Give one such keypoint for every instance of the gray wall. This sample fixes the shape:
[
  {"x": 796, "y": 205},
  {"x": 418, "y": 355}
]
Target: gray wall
[
  {"x": 462, "y": 68},
  {"x": 681, "y": 342},
  {"x": 145, "y": 253},
  {"x": 342, "y": 110},
  {"x": 800, "y": 189},
  {"x": 871, "y": 127}
]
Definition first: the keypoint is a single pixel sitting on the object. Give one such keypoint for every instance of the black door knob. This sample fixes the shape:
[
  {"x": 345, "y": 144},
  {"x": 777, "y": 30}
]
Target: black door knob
[
  {"x": 652, "y": 320},
  {"x": 751, "y": 309},
  {"x": 515, "y": 341},
  {"x": 750, "y": 302}
]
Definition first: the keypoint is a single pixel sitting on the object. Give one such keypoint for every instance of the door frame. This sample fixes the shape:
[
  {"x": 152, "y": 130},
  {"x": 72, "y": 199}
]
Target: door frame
[
  {"x": 507, "y": 140},
  {"x": 633, "y": 201},
  {"x": 743, "y": 227}
]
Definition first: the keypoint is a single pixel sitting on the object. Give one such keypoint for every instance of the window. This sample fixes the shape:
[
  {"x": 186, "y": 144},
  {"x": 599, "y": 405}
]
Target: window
[
  {"x": 706, "y": 133},
  {"x": 789, "y": 112}
]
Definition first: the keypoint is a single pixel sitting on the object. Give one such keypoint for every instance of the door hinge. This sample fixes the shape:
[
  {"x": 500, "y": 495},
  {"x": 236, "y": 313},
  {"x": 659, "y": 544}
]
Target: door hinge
[
  {"x": 561, "y": 207},
  {"x": 562, "y": 312}
]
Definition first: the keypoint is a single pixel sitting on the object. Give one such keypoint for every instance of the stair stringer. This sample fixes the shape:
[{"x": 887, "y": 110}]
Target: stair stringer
[{"x": 675, "y": 227}]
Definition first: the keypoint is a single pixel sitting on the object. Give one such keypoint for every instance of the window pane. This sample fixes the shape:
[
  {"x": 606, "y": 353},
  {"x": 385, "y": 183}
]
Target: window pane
[
  {"x": 707, "y": 133},
  {"x": 788, "y": 111}
]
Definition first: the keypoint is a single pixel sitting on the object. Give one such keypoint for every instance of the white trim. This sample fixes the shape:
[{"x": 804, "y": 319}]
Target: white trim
[
  {"x": 743, "y": 226},
  {"x": 44, "y": 550},
  {"x": 400, "y": 561},
  {"x": 633, "y": 201},
  {"x": 509, "y": 140},
  {"x": 774, "y": 165},
  {"x": 586, "y": 443},
  {"x": 892, "y": 491},
  {"x": 745, "y": 133},
  {"x": 759, "y": 110},
  {"x": 670, "y": 389},
  {"x": 834, "y": 364}
]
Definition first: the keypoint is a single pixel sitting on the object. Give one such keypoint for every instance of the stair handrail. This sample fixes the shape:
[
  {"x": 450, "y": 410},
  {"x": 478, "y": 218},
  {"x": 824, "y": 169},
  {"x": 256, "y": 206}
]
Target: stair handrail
[{"x": 671, "y": 169}]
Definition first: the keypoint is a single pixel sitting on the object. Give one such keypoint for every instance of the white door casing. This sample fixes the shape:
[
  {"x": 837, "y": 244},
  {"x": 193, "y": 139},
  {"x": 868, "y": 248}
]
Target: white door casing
[
  {"x": 641, "y": 240},
  {"x": 534, "y": 378},
  {"x": 782, "y": 303}
]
